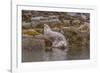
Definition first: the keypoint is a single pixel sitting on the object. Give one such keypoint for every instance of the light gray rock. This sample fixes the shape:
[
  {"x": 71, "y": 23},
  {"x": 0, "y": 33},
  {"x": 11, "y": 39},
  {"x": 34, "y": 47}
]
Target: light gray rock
[{"x": 26, "y": 25}]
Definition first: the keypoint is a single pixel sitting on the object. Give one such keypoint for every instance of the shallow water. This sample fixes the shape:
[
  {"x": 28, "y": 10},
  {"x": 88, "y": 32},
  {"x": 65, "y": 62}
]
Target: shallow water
[{"x": 37, "y": 54}]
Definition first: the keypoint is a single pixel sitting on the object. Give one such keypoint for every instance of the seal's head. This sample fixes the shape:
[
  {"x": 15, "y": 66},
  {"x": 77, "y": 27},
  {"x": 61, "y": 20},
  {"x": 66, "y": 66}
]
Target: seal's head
[{"x": 46, "y": 27}]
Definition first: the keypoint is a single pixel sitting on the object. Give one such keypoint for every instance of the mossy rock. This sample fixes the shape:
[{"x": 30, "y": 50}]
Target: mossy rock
[
  {"x": 30, "y": 32},
  {"x": 39, "y": 30},
  {"x": 76, "y": 42}
]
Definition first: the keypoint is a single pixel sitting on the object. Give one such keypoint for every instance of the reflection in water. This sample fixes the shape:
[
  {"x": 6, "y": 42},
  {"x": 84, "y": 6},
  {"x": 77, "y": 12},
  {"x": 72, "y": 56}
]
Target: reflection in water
[
  {"x": 55, "y": 55},
  {"x": 36, "y": 55}
]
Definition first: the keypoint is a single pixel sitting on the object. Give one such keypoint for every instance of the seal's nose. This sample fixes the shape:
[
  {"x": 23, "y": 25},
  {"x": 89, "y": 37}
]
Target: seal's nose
[{"x": 44, "y": 24}]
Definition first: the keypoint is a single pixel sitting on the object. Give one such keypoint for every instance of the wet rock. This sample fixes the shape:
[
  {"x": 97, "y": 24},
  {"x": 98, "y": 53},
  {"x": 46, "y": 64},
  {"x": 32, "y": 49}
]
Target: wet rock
[
  {"x": 66, "y": 22},
  {"x": 76, "y": 23},
  {"x": 26, "y": 15},
  {"x": 85, "y": 27},
  {"x": 72, "y": 13},
  {"x": 41, "y": 36},
  {"x": 84, "y": 17},
  {"x": 32, "y": 43},
  {"x": 40, "y": 20}
]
